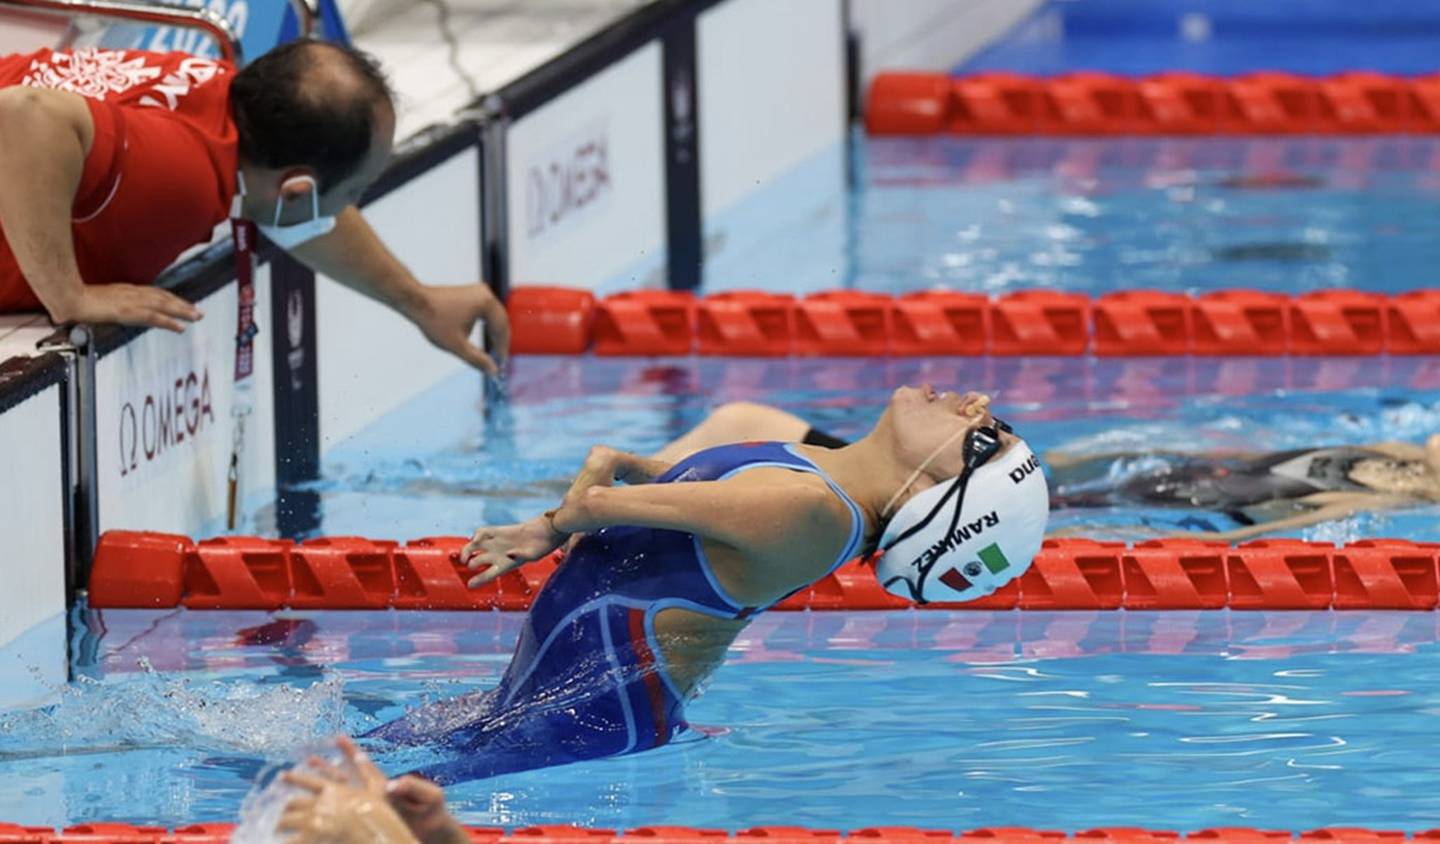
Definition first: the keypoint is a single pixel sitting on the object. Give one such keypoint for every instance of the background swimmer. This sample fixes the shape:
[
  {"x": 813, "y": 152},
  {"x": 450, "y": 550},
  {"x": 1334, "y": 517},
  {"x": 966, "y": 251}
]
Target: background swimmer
[{"x": 1263, "y": 492}]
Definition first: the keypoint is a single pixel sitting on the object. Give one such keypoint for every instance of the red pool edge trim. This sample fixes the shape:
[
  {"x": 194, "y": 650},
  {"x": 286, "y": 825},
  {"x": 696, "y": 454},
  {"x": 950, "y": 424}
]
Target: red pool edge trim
[
  {"x": 119, "y": 833},
  {"x": 1131, "y": 323},
  {"x": 1090, "y": 103},
  {"x": 135, "y": 569}
]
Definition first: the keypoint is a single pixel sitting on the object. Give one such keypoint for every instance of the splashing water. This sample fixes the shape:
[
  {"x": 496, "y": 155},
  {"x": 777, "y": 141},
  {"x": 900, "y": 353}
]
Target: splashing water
[
  {"x": 150, "y": 709},
  {"x": 1341, "y": 531}
]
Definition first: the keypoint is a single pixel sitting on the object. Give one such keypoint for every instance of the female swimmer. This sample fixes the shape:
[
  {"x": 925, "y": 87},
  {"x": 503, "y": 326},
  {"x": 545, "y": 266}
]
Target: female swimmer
[{"x": 669, "y": 568}]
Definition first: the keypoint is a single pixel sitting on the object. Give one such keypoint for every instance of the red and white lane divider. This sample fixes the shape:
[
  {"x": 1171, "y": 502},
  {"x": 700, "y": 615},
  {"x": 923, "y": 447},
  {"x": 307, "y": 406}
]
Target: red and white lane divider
[
  {"x": 560, "y": 320},
  {"x": 136, "y": 569},
  {"x": 1089, "y": 103}
]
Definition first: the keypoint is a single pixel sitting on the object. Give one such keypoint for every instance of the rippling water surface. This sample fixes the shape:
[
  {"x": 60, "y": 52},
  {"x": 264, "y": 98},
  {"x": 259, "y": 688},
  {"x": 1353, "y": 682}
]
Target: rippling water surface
[
  {"x": 1059, "y": 720},
  {"x": 1190, "y": 214}
]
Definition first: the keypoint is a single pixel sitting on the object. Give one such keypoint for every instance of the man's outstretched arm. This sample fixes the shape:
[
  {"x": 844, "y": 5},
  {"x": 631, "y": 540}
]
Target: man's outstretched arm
[{"x": 353, "y": 255}]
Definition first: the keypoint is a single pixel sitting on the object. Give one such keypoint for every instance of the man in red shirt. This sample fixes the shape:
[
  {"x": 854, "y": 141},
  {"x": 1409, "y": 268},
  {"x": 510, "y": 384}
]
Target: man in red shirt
[{"x": 113, "y": 162}]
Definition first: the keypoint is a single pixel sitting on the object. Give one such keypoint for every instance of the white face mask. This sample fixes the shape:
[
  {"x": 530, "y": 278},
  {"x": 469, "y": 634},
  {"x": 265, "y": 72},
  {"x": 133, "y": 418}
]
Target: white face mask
[{"x": 291, "y": 236}]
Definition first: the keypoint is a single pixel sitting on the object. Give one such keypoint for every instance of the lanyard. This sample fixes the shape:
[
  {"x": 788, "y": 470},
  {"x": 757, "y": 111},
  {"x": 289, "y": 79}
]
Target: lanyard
[
  {"x": 245, "y": 328},
  {"x": 244, "y": 233}
]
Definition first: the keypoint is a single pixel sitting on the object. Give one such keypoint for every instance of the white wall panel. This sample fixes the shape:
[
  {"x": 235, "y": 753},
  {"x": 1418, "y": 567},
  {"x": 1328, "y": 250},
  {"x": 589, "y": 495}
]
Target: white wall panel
[
  {"x": 929, "y": 34},
  {"x": 371, "y": 359},
  {"x": 771, "y": 90},
  {"x": 163, "y": 409},
  {"x": 31, "y": 514},
  {"x": 772, "y": 129},
  {"x": 585, "y": 178},
  {"x": 32, "y": 561}
]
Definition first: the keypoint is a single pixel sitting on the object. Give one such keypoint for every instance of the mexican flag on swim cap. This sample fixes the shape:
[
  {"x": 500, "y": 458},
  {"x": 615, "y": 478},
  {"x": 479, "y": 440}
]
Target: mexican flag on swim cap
[{"x": 998, "y": 534}]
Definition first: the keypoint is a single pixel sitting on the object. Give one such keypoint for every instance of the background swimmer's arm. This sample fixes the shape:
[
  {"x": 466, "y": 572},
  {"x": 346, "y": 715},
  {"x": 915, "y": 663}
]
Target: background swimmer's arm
[
  {"x": 1398, "y": 450},
  {"x": 1329, "y": 506},
  {"x": 734, "y": 422},
  {"x": 1067, "y": 460}
]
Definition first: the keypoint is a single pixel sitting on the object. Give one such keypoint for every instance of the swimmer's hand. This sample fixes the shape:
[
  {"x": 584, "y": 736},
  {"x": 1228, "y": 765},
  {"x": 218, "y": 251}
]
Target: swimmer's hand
[
  {"x": 447, "y": 317},
  {"x": 342, "y": 804},
  {"x": 508, "y": 547},
  {"x": 126, "y": 304},
  {"x": 421, "y": 804}
]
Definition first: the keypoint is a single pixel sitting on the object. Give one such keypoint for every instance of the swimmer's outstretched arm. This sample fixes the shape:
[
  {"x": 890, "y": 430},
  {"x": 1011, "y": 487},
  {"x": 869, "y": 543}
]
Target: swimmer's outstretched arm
[
  {"x": 783, "y": 523},
  {"x": 508, "y": 546},
  {"x": 1329, "y": 506},
  {"x": 1429, "y": 452}
]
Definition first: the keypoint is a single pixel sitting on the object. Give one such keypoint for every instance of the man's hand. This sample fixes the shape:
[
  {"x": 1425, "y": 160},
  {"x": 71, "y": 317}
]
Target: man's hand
[
  {"x": 128, "y": 304},
  {"x": 421, "y": 804},
  {"x": 447, "y": 316}
]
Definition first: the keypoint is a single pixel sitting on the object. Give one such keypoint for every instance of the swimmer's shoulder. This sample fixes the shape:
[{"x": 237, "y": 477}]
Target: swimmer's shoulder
[
  {"x": 806, "y": 494},
  {"x": 806, "y": 518},
  {"x": 805, "y": 537}
]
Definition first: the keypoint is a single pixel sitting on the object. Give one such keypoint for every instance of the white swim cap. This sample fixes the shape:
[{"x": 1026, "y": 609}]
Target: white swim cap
[{"x": 997, "y": 535}]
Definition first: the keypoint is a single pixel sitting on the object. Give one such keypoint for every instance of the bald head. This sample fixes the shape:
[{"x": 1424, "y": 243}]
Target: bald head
[{"x": 311, "y": 104}]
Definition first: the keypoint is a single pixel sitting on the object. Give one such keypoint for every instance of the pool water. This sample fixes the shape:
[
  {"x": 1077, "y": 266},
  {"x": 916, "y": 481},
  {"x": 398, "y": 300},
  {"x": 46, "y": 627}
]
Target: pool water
[
  {"x": 834, "y": 720},
  {"x": 1222, "y": 37},
  {"x": 421, "y": 473},
  {"x": 1093, "y": 215},
  {"x": 1179, "y": 720}
]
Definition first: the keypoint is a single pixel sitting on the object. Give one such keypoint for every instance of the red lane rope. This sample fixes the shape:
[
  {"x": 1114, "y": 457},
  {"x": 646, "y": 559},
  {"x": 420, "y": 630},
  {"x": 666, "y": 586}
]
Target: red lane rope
[
  {"x": 559, "y": 320},
  {"x": 1098, "y": 104},
  {"x": 137, "y": 569}
]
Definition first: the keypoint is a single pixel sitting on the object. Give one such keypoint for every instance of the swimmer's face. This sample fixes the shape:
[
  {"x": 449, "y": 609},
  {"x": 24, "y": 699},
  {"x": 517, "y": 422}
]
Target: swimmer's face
[
  {"x": 1405, "y": 477},
  {"x": 925, "y": 418}
]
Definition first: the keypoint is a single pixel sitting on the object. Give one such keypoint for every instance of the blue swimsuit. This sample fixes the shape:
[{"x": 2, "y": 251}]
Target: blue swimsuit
[{"x": 587, "y": 679}]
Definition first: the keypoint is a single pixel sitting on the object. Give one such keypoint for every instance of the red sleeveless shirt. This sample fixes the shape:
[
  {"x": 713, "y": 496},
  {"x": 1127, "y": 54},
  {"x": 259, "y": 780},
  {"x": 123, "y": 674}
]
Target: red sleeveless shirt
[{"x": 160, "y": 174}]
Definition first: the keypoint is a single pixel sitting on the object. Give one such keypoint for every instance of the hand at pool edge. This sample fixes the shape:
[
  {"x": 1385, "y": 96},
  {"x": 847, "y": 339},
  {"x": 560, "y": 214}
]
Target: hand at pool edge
[{"x": 507, "y": 547}]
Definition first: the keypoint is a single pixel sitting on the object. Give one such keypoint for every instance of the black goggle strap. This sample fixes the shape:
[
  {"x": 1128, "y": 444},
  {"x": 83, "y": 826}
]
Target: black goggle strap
[
  {"x": 920, "y": 525},
  {"x": 917, "y": 588},
  {"x": 981, "y": 444}
]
